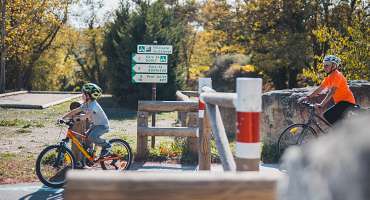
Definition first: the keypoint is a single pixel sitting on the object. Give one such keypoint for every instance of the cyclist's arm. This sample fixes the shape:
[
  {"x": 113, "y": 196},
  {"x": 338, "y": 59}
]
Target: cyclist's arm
[
  {"x": 328, "y": 96},
  {"x": 315, "y": 92},
  {"x": 71, "y": 113},
  {"x": 85, "y": 116}
]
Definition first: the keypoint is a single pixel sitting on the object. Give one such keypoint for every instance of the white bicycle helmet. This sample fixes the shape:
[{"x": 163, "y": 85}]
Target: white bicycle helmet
[{"x": 332, "y": 59}]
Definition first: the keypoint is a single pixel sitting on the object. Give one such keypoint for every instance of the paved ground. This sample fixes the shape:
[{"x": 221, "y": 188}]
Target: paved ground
[
  {"x": 36, "y": 191},
  {"x": 35, "y": 100}
]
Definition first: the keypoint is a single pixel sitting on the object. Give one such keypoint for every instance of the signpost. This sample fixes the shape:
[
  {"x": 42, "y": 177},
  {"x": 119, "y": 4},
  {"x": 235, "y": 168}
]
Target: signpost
[
  {"x": 149, "y": 78},
  {"x": 149, "y": 68},
  {"x": 149, "y": 65},
  {"x": 149, "y": 58},
  {"x": 154, "y": 49}
]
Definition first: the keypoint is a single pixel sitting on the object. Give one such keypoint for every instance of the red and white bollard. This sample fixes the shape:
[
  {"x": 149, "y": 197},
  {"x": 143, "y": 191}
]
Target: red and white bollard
[
  {"x": 201, "y": 83},
  {"x": 248, "y": 108}
]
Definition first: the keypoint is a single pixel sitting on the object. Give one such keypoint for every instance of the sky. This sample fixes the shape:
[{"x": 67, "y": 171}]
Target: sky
[{"x": 80, "y": 12}]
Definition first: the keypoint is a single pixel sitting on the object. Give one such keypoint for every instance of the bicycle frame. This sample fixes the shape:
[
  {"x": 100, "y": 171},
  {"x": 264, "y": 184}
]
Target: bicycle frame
[
  {"x": 312, "y": 120},
  {"x": 72, "y": 135}
]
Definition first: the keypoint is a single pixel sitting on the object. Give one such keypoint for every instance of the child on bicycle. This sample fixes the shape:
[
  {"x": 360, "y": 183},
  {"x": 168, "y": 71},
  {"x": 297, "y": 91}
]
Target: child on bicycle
[
  {"x": 96, "y": 116},
  {"x": 337, "y": 88}
]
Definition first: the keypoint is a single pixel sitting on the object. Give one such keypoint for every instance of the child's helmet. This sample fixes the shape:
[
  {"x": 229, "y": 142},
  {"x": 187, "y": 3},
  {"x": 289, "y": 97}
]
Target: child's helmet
[
  {"x": 93, "y": 90},
  {"x": 333, "y": 59}
]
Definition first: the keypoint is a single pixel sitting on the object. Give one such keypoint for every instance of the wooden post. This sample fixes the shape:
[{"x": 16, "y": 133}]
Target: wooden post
[
  {"x": 142, "y": 141},
  {"x": 94, "y": 185},
  {"x": 192, "y": 142},
  {"x": 248, "y": 108},
  {"x": 204, "y": 155},
  {"x": 80, "y": 126},
  {"x": 222, "y": 142}
]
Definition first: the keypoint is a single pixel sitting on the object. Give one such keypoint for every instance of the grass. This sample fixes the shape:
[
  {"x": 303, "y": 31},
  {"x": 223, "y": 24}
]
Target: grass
[{"x": 17, "y": 168}]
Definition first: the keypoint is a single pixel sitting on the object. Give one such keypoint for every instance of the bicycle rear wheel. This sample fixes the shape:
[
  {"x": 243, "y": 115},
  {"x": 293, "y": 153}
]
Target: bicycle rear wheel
[
  {"x": 295, "y": 134},
  {"x": 122, "y": 151},
  {"x": 52, "y": 164}
]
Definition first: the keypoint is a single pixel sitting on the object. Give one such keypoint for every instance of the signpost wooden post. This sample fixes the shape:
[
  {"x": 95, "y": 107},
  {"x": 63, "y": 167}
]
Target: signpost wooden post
[{"x": 149, "y": 65}]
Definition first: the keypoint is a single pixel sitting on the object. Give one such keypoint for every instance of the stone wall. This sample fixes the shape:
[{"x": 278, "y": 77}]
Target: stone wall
[{"x": 280, "y": 109}]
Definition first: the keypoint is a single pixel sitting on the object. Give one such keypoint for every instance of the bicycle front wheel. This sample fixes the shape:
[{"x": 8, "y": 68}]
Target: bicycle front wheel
[
  {"x": 122, "y": 154},
  {"x": 295, "y": 134},
  {"x": 52, "y": 165}
]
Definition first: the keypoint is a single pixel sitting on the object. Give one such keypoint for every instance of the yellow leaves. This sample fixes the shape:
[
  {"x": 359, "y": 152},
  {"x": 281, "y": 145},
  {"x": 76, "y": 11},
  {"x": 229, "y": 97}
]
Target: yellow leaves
[
  {"x": 27, "y": 19},
  {"x": 197, "y": 71},
  {"x": 248, "y": 68}
]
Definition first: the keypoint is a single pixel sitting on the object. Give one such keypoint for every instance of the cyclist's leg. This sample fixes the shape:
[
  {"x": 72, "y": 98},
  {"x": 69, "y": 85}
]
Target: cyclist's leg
[
  {"x": 336, "y": 112},
  {"x": 95, "y": 134}
]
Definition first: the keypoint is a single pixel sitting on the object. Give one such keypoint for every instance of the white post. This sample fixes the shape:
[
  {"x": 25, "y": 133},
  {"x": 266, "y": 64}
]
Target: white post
[
  {"x": 203, "y": 82},
  {"x": 248, "y": 108}
]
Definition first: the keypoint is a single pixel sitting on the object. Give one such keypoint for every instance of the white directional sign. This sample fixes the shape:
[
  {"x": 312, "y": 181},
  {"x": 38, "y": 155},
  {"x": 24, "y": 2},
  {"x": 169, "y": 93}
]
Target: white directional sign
[
  {"x": 155, "y": 49},
  {"x": 149, "y": 78},
  {"x": 149, "y": 58},
  {"x": 149, "y": 68}
]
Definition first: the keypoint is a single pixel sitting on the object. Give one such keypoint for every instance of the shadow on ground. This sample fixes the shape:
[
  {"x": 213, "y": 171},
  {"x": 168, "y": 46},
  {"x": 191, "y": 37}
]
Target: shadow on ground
[{"x": 45, "y": 193}]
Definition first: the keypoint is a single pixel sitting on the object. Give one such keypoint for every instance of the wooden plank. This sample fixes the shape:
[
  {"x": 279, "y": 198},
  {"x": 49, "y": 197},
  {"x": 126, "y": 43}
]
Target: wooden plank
[
  {"x": 222, "y": 142},
  {"x": 218, "y": 98},
  {"x": 181, "y": 116},
  {"x": 182, "y": 97},
  {"x": 204, "y": 154},
  {"x": 173, "y": 131},
  {"x": 94, "y": 185},
  {"x": 192, "y": 142},
  {"x": 142, "y": 141},
  {"x": 168, "y": 106},
  {"x": 190, "y": 93}
]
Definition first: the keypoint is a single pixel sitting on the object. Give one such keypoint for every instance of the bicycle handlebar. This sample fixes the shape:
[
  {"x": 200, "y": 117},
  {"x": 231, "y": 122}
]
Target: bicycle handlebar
[{"x": 69, "y": 122}]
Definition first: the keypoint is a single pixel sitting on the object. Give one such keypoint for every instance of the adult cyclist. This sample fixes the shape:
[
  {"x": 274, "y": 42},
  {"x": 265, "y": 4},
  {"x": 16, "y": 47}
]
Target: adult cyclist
[{"x": 337, "y": 88}]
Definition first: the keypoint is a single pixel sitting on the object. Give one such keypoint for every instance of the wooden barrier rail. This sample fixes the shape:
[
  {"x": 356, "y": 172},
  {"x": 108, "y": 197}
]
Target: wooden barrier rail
[
  {"x": 188, "y": 129},
  {"x": 94, "y": 185},
  {"x": 173, "y": 131},
  {"x": 167, "y": 106},
  {"x": 214, "y": 99}
]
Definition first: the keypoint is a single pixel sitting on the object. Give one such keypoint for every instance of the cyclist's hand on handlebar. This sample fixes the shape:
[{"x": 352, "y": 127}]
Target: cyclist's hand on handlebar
[
  {"x": 303, "y": 99},
  {"x": 60, "y": 121},
  {"x": 318, "y": 105}
]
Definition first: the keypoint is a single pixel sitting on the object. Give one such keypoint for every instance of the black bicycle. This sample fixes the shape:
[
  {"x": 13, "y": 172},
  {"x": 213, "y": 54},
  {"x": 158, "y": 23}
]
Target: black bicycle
[{"x": 298, "y": 134}]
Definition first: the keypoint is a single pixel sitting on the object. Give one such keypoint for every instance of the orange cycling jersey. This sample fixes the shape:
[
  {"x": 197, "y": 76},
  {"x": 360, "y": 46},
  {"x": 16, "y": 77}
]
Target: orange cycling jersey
[{"x": 342, "y": 93}]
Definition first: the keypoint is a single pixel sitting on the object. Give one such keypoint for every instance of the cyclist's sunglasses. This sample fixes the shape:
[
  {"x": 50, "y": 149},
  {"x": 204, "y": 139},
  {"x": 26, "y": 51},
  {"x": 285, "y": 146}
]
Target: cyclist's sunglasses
[{"x": 327, "y": 64}]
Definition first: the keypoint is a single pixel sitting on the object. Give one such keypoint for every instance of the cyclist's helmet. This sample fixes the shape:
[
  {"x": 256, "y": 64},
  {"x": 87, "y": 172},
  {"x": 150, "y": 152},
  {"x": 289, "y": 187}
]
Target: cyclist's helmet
[
  {"x": 92, "y": 89},
  {"x": 332, "y": 59}
]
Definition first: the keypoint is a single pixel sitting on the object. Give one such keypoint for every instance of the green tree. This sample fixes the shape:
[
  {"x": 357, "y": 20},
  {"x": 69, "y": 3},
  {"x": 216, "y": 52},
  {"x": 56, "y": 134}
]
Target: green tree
[
  {"x": 31, "y": 27},
  {"x": 143, "y": 23}
]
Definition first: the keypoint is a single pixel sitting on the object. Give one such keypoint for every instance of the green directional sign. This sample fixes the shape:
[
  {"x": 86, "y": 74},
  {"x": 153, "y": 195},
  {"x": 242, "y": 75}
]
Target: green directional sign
[
  {"x": 149, "y": 78},
  {"x": 149, "y": 58},
  {"x": 154, "y": 49},
  {"x": 149, "y": 68}
]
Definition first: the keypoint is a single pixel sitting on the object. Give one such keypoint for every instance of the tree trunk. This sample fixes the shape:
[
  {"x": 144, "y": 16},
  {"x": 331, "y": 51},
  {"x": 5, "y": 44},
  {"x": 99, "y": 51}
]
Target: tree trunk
[
  {"x": 279, "y": 78},
  {"x": 3, "y": 47},
  {"x": 292, "y": 79}
]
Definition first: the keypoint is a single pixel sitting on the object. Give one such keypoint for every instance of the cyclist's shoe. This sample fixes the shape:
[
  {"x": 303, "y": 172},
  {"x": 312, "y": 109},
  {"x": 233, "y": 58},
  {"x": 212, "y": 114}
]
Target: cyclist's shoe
[{"x": 105, "y": 152}]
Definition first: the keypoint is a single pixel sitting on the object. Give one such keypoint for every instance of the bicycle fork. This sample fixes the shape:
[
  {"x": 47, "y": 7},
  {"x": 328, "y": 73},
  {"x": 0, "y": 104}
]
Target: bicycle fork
[{"x": 60, "y": 156}]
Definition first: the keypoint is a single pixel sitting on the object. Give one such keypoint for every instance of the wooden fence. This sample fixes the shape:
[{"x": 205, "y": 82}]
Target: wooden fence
[
  {"x": 143, "y": 130},
  {"x": 96, "y": 185},
  {"x": 91, "y": 185}
]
